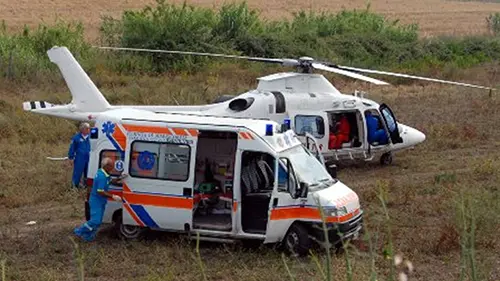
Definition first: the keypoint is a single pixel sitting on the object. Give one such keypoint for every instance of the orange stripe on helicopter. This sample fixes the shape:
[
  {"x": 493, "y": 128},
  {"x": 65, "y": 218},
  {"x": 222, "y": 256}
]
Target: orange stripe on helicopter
[
  {"x": 235, "y": 206},
  {"x": 307, "y": 213}
]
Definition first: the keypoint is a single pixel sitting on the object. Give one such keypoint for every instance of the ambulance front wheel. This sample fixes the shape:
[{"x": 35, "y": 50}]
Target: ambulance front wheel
[
  {"x": 297, "y": 241},
  {"x": 127, "y": 232}
]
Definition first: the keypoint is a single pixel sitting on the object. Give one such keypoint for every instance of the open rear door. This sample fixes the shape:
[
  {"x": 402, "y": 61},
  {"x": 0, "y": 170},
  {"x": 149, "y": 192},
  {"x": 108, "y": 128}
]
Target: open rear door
[
  {"x": 313, "y": 147},
  {"x": 391, "y": 123}
]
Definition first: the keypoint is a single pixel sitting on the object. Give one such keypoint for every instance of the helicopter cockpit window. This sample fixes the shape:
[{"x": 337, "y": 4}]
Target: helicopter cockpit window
[
  {"x": 310, "y": 124},
  {"x": 377, "y": 135}
]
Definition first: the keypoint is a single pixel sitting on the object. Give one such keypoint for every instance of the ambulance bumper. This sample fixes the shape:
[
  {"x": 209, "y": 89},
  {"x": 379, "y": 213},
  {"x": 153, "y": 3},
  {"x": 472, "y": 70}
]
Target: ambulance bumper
[{"x": 338, "y": 232}]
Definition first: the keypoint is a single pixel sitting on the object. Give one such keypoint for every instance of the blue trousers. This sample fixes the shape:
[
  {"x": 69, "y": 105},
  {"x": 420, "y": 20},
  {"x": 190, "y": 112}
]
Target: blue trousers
[
  {"x": 88, "y": 230},
  {"x": 80, "y": 168}
]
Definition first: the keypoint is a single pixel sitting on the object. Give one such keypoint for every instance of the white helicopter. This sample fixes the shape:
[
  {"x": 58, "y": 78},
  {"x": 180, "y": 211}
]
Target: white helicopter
[{"x": 306, "y": 102}]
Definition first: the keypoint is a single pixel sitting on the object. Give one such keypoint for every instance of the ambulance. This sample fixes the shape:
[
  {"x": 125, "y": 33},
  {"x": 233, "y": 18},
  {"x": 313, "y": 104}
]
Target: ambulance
[{"x": 226, "y": 179}]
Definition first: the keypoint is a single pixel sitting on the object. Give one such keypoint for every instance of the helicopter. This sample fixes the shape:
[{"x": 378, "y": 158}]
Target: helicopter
[{"x": 337, "y": 127}]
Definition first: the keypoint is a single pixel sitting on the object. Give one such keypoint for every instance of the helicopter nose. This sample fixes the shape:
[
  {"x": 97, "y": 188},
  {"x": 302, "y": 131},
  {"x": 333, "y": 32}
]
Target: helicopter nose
[{"x": 413, "y": 136}]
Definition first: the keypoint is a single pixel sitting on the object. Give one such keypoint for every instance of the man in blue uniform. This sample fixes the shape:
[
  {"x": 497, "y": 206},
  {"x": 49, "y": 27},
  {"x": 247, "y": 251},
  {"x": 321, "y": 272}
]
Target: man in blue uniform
[
  {"x": 79, "y": 151},
  {"x": 374, "y": 133},
  {"x": 98, "y": 199}
]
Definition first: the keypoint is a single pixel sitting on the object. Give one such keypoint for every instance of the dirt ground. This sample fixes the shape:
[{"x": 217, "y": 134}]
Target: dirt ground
[
  {"x": 461, "y": 152},
  {"x": 435, "y": 17}
]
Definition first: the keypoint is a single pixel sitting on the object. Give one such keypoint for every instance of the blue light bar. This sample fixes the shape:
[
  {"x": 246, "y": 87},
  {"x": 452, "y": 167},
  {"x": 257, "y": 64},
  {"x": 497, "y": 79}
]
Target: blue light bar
[
  {"x": 269, "y": 129},
  {"x": 287, "y": 124}
]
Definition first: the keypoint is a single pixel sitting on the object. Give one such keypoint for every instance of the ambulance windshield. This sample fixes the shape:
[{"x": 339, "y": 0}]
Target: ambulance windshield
[{"x": 308, "y": 168}]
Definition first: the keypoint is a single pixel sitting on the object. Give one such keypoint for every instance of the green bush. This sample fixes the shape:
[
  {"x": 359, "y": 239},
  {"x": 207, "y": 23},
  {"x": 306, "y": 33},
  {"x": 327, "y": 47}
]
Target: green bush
[
  {"x": 493, "y": 23},
  {"x": 25, "y": 54},
  {"x": 360, "y": 38}
]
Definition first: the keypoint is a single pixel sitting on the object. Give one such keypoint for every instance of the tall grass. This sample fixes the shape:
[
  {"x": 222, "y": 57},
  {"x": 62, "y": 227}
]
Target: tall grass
[
  {"x": 361, "y": 38},
  {"x": 358, "y": 37},
  {"x": 493, "y": 23},
  {"x": 24, "y": 55}
]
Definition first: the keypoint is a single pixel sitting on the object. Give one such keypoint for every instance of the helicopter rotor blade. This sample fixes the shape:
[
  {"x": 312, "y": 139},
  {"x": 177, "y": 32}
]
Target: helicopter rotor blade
[
  {"x": 348, "y": 73},
  {"x": 412, "y": 77},
  {"x": 285, "y": 62}
]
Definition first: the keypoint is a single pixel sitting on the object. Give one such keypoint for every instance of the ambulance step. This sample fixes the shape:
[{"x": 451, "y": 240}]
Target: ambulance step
[
  {"x": 213, "y": 239},
  {"x": 213, "y": 222}
]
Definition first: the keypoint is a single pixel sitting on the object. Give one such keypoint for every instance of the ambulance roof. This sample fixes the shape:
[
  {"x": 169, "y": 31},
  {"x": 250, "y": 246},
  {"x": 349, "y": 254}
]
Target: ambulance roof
[{"x": 258, "y": 126}]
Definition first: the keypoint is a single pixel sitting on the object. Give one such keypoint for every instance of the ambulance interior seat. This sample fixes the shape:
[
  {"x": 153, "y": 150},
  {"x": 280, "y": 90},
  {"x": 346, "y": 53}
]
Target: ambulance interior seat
[{"x": 257, "y": 181}]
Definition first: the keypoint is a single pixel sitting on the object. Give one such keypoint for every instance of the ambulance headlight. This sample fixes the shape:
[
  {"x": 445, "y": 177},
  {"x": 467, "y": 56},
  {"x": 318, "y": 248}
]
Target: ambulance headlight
[{"x": 335, "y": 211}]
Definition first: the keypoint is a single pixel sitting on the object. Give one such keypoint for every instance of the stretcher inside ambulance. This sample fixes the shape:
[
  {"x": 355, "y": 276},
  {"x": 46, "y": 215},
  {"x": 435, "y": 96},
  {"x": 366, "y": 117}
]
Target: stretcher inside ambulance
[{"x": 227, "y": 179}]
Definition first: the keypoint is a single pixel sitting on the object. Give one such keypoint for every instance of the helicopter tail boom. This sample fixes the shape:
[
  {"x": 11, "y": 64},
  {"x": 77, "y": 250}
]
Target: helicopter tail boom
[{"x": 87, "y": 101}]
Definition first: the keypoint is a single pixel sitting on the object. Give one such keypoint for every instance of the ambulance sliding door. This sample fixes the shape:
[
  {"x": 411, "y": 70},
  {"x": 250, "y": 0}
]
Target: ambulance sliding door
[{"x": 158, "y": 191}]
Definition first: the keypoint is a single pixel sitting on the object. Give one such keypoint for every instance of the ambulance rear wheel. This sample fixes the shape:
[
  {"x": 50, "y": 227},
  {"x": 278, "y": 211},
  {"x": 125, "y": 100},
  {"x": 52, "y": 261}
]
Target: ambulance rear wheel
[
  {"x": 386, "y": 159},
  {"x": 127, "y": 232},
  {"x": 297, "y": 242}
]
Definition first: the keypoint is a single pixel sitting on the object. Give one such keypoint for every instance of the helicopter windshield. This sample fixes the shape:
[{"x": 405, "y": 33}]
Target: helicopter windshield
[
  {"x": 307, "y": 168},
  {"x": 391, "y": 124}
]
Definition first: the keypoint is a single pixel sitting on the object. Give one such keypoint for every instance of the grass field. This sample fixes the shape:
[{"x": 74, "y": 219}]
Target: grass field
[
  {"x": 435, "y": 17},
  {"x": 421, "y": 188}
]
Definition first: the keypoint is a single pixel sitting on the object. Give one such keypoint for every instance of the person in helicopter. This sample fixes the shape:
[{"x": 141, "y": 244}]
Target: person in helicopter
[
  {"x": 342, "y": 133},
  {"x": 375, "y": 133}
]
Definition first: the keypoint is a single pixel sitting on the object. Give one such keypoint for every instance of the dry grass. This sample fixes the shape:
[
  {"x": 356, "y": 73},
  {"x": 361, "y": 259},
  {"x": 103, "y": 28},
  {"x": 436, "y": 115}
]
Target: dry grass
[
  {"x": 435, "y": 17},
  {"x": 461, "y": 150}
]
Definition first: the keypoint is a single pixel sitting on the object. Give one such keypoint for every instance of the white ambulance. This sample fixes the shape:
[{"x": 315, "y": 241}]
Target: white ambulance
[{"x": 226, "y": 179}]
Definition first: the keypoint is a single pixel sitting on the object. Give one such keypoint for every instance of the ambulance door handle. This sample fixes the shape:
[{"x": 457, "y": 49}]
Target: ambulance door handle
[{"x": 275, "y": 202}]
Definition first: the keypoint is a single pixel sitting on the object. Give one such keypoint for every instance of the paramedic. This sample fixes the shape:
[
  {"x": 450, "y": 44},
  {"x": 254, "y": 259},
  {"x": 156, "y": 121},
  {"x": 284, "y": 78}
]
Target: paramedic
[
  {"x": 79, "y": 151},
  {"x": 98, "y": 199},
  {"x": 342, "y": 136},
  {"x": 374, "y": 133}
]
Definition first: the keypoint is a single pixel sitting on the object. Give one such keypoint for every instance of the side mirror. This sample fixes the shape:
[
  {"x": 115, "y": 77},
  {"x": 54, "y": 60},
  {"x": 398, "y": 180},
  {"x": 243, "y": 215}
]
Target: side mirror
[
  {"x": 332, "y": 170},
  {"x": 304, "y": 190}
]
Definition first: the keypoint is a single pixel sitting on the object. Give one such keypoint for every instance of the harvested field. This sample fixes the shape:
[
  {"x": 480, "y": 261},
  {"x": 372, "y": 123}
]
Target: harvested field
[
  {"x": 421, "y": 189},
  {"x": 435, "y": 17}
]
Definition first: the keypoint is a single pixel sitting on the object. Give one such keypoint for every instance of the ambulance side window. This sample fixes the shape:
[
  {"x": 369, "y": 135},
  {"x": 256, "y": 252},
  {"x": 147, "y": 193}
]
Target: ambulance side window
[
  {"x": 115, "y": 155},
  {"x": 157, "y": 160},
  {"x": 283, "y": 178}
]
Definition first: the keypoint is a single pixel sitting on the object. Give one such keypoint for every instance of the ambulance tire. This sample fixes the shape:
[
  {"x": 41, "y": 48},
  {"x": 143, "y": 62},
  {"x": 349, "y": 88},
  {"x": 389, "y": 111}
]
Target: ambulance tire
[
  {"x": 127, "y": 232},
  {"x": 297, "y": 241}
]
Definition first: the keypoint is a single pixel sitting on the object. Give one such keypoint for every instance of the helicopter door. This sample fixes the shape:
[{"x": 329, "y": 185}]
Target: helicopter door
[
  {"x": 391, "y": 123},
  {"x": 312, "y": 123},
  {"x": 313, "y": 147}
]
